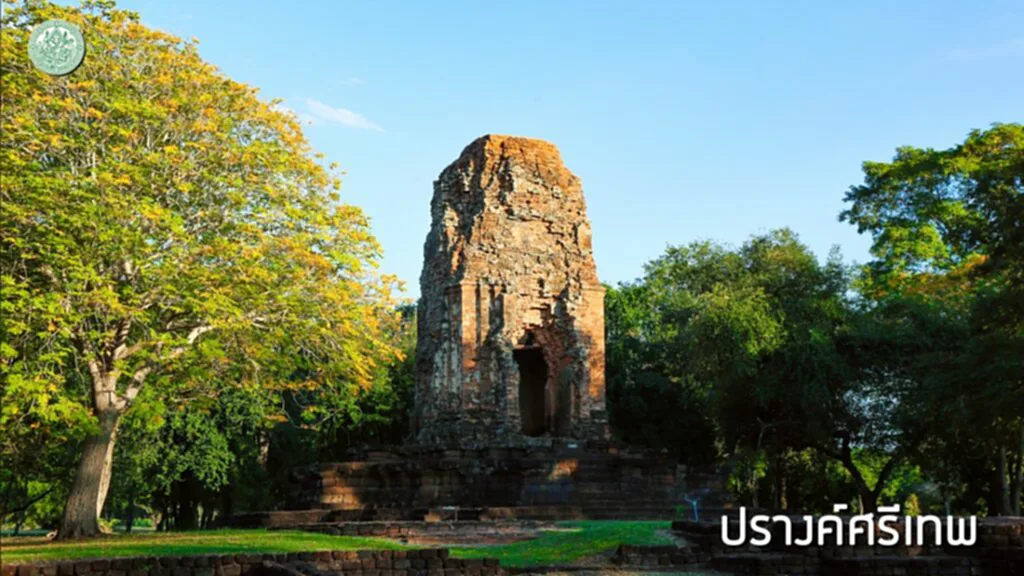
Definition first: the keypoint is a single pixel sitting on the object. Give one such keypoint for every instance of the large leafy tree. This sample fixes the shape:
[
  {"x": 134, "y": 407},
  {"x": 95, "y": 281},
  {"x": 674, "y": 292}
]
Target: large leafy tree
[
  {"x": 894, "y": 354},
  {"x": 768, "y": 342},
  {"x": 948, "y": 238},
  {"x": 649, "y": 403},
  {"x": 933, "y": 210},
  {"x": 162, "y": 226},
  {"x": 233, "y": 450},
  {"x": 759, "y": 328}
]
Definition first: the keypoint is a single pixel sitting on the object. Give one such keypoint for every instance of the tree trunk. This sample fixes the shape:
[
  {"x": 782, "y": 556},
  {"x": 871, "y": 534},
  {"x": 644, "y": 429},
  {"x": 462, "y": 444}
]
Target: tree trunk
[
  {"x": 752, "y": 485},
  {"x": 4, "y": 508},
  {"x": 162, "y": 518},
  {"x": 108, "y": 468},
  {"x": 208, "y": 513},
  {"x": 783, "y": 489},
  {"x": 264, "y": 444},
  {"x": 156, "y": 518},
  {"x": 227, "y": 503},
  {"x": 129, "y": 514},
  {"x": 82, "y": 511},
  {"x": 1004, "y": 485},
  {"x": 1018, "y": 480},
  {"x": 868, "y": 498},
  {"x": 778, "y": 471},
  {"x": 186, "y": 503}
]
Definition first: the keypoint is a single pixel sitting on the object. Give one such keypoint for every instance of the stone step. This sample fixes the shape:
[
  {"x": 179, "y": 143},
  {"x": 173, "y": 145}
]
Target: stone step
[{"x": 767, "y": 564}]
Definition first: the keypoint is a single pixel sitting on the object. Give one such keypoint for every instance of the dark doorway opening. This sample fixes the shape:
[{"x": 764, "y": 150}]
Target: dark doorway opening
[{"x": 533, "y": 376}]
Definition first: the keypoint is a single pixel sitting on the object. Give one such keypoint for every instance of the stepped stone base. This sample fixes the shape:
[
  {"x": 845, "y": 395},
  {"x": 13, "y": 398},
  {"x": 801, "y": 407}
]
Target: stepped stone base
[{"x": 556, "y": 482}]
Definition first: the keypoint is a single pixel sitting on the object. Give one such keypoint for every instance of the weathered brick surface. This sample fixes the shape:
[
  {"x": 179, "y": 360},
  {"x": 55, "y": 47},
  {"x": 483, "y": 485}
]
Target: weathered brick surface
[
  {"x": 657, "y": 556},
  {"x": 362, "y": 563},
  {"x": 508, "y": 266},
  {"x": 552, "y": 483}
]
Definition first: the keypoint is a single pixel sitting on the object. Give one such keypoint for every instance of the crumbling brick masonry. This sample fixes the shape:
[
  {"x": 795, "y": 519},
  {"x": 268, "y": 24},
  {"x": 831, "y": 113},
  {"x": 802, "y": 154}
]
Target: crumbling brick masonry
[{"x": 511, "y": 316}]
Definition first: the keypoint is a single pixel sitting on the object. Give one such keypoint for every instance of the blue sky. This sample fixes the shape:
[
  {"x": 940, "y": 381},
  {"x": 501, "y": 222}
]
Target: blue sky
[{"x": 685, "y": 120}]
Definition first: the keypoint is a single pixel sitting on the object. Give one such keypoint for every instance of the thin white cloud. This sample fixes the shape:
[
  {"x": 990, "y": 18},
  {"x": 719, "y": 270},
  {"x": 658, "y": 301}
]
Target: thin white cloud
[
  {"x": 344, "y": 116},
  {"x": 355, "y": 81},
  {"x": 301, "y": 116}
]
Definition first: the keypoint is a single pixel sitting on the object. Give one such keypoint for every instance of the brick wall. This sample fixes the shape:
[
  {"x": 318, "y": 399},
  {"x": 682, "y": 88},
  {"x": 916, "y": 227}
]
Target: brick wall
[
  {"x": 432, "y": 562},
  {"x": 657, "y": 557},
  {"x": 600, "y": 479}
]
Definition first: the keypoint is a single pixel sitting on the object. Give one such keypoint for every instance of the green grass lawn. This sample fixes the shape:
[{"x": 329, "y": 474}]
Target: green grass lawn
[
  {"x": 571, "y": 542},
  {"x": 187, "y": 543}
]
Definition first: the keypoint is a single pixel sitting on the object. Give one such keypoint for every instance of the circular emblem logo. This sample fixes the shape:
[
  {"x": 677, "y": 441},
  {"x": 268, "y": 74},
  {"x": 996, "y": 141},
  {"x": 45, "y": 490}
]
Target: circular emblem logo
[{"x": 56, "y": 47}]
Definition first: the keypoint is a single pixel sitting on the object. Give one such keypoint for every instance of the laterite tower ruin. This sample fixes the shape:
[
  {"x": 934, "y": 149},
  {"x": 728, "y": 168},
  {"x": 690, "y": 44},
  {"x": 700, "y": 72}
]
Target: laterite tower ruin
[
  {"x": 509, "y": 419},
  {"x": 511, "y": 316}
]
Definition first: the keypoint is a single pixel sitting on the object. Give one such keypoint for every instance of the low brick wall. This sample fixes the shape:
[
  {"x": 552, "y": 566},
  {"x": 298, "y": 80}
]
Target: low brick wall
[
  {"x": 764, "y": 564},
  {"x": 657, "y": 557},
  {"x": 915, "y": 566},
  {"x": 431, "y": 562}
]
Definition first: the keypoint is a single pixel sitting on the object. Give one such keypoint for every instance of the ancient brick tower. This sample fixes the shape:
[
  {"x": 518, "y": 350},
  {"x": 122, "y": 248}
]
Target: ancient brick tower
[{"x": 511, "y": 316}]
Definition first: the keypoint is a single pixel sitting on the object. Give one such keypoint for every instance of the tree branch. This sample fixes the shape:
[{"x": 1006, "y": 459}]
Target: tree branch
[
  {"x": 140, "y": 375},
  {"x": 26, "y": 506},
  {"x": 190, "y": 340},
  {"x": 120, "y": 338},
  {"x": 123, "y": 351}
]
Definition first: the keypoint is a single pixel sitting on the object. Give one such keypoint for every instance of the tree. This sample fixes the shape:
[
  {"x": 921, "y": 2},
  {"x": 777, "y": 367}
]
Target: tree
[
  {"x": 161, "y": 225},
  {"x": 770, "y": 340},
  {"x": 933, "y": 210},
  {"x": 380, "y": 416},
  {"x": 649, "y": 404},
  {"x": 894, "y": 355},
  {"x": 947, "y": 235}
]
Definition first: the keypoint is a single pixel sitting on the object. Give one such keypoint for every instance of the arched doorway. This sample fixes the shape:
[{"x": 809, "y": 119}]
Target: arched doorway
[{"x": 533, "y": 378}]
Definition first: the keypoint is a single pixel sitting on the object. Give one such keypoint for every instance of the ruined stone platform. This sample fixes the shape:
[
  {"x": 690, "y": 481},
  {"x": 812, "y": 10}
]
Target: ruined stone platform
[
  {"x": 565, "y": 481},
  {"x": 551, "y": 483}
]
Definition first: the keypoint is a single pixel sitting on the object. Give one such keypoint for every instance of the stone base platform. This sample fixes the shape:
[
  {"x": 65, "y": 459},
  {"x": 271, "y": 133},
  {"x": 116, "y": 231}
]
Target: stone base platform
[{"x": 560, "y": 481}]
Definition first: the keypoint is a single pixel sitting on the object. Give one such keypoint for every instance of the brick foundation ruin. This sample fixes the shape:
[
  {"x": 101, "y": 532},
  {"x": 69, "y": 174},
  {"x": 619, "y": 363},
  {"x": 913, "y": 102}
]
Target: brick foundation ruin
[{"x": 598, "y": 480}]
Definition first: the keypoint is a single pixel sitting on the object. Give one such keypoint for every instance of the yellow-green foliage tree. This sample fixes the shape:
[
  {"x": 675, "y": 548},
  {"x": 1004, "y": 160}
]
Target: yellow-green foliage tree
[{"x": 163, "y": 226}]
